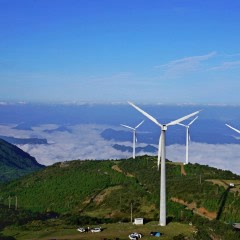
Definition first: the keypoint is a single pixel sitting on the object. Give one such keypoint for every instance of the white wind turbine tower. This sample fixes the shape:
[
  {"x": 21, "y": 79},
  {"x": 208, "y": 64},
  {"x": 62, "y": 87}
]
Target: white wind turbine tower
[
  {"x": 134, "y": 135},
  {"x": 236, "y": 130},
  {"x": 187, "y": 136},
  {"x": 161, "y": 153}
]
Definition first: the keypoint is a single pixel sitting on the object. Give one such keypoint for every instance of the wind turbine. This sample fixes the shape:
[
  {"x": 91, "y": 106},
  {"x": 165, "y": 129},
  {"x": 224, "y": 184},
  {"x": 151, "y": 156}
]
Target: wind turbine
[
  {"x": 134, "y": 135},
  {"x": 236, "y": 130},
  {"x": 161, "y": 153},
  {"x": 187, "y": 136}
]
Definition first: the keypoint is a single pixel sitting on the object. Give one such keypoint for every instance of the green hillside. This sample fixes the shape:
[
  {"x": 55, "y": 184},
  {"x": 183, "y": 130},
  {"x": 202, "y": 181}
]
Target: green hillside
[
  {"x": 104, "y": 191},
  {"x": 108, "y": 188},
  {"x": 15, "y": 163}
]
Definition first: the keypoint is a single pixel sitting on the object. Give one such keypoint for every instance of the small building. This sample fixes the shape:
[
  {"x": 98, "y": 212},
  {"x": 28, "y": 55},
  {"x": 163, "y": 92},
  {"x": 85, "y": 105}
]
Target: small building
[{"x": 138, "y": 221}]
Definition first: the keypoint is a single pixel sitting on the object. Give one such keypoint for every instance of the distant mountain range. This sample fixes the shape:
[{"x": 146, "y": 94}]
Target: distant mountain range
[
  {"x": 146, "y": 149},
  {"x": 14, "y": 162},
  {"x": 59, "y": 129},
  {"x": 59, "y": 124},
  {"x": 209, "y": 128},
  {"x": 203, "y": 131},
  {"x": 29, "y": 115},
  {"x": 23, "y": 126},
  {"x": 21, "y": 141}
]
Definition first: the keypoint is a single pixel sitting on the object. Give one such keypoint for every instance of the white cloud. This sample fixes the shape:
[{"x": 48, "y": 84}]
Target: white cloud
[
  {"x": 224, "y": 156},
  {"x": 184, "y": 65},
  {"x": 231, "y": 55},
  {"x": 193, "y": 59},
  {"x": 84, "y": 142},
  {"x": 3, "y": 103},
  {"x": 227, "y": 65}
]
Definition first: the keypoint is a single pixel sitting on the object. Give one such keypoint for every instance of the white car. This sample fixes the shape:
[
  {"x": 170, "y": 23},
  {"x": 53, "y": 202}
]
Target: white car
[
  {"x": 97, "y": 229},
  {"x": 80, "y": 229},
  {"x": 135, "y": 236}
]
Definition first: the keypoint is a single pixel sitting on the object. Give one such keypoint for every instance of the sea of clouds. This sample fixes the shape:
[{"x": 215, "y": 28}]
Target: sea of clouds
[{"x": 84, "y": 141}]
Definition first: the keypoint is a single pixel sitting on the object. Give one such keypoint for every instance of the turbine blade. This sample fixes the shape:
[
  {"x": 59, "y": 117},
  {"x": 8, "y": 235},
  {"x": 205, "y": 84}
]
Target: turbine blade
[
  {"x": 127, "y": 126},
  {"x": 145, "y": 114},
  {"x": 182, "y": 124},
  {"x": 182, "y": 119},
  {"x": 193, "y": 121},
  {"x": 135, "y": 136},
  {"x": 159, "y": 151},
  {"x": 189, "y": 138},
  {"x": 236, "y": 130},
  {"x": 139, "y": 124}
]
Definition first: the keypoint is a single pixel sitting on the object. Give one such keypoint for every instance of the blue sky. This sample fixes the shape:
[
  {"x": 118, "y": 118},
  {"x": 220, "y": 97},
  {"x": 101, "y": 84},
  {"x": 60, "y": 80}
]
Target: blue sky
[{"x": 150, "y": 51}]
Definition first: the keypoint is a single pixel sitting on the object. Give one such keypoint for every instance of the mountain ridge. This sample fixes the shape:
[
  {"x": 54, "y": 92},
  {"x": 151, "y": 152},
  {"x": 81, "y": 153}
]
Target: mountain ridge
[
  {"x": 22, "y": 141},
  {"x": 14, "y": 162}
]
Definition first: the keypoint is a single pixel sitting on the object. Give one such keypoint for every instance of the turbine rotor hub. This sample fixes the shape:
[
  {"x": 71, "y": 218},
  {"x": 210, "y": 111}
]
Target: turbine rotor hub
[{"x": 164, "y": 128}]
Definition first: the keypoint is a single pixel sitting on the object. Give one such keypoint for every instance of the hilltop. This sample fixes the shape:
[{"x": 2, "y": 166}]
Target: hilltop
[
  {"x": 104, "y": 191},
  {"x": 15, "y": 163},
  {"x": 107, "y": 188}
]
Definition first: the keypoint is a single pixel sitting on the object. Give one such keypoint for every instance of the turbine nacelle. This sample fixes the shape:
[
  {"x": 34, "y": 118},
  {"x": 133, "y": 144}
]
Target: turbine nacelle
[{"x": 164, "y": 128}]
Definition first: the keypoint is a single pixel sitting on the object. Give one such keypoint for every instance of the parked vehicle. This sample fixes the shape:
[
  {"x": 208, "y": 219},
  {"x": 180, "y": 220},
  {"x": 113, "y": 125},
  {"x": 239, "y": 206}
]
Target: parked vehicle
[
  {"x": 135, "y": 236},
  {"x": 96, "y": 229},
  {"x": 155, "y": 234},
  {"x": 81, "y": 229}
]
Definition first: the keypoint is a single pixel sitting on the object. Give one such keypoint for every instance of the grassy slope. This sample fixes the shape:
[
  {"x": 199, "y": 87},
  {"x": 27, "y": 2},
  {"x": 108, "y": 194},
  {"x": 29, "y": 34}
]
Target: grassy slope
[
  {"x": 190, "y": 188},
  {"x": 71, "y": 187},
  {"x": 15, "y": 163},
  {"x": 55, "y": 230},
  {"x": 108, "y": 188}
]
